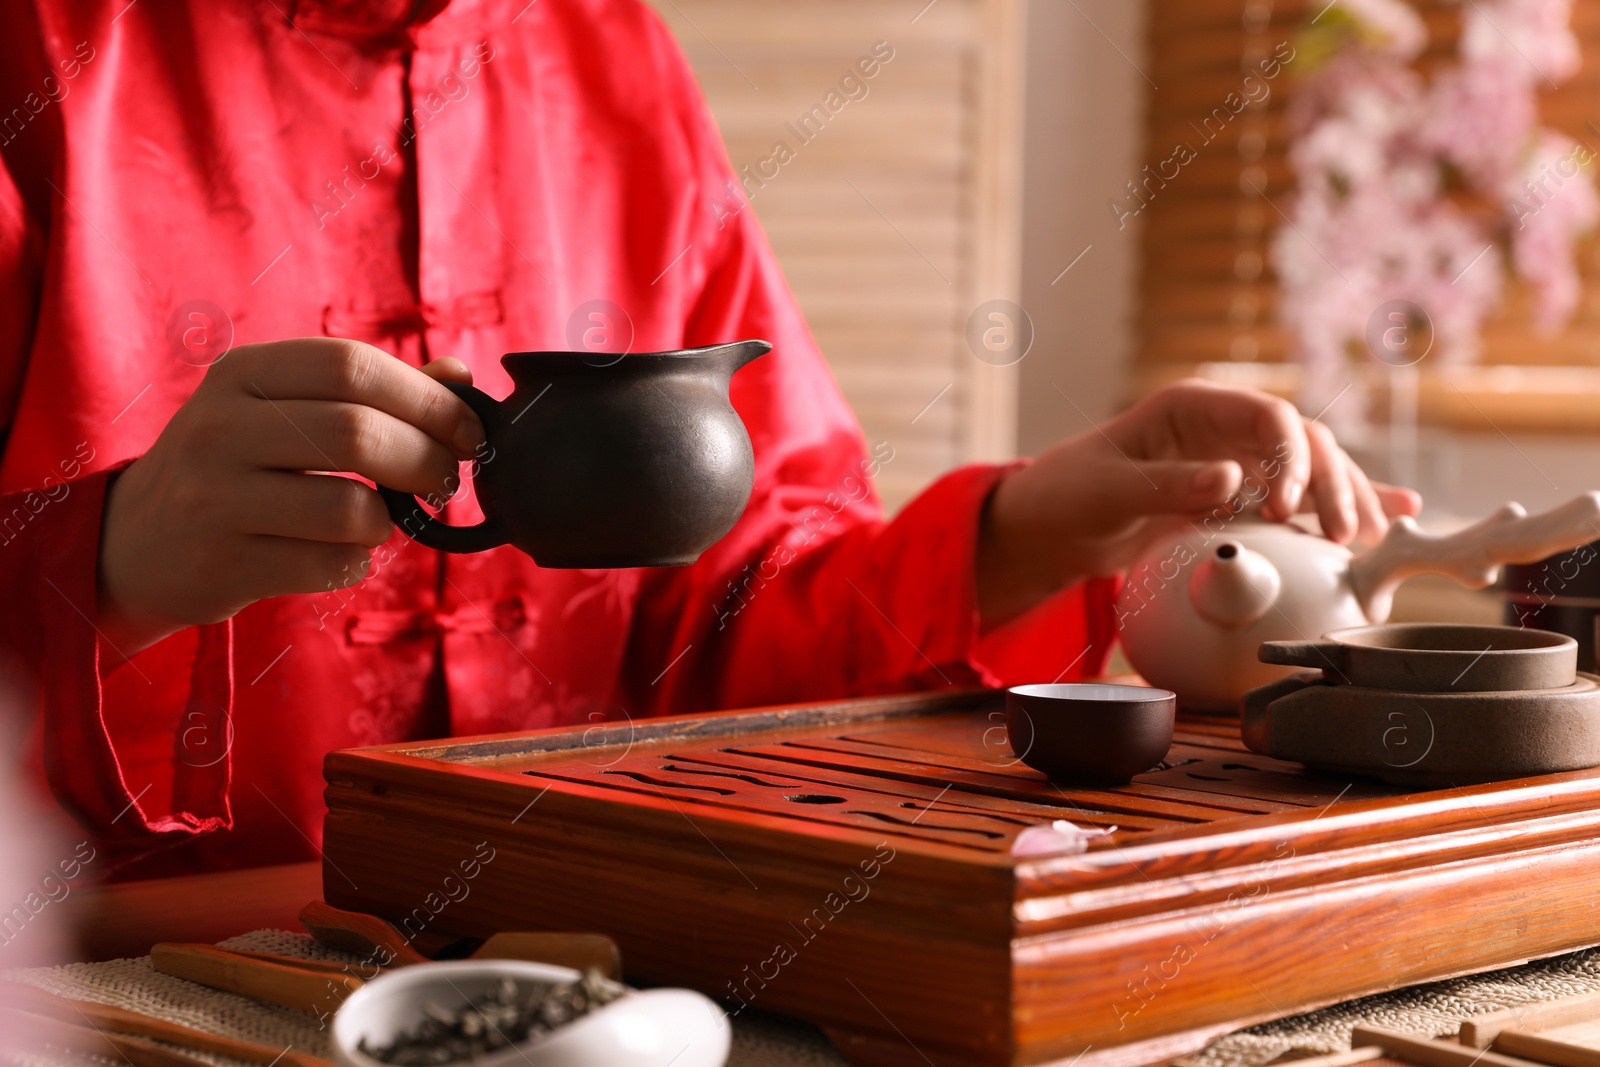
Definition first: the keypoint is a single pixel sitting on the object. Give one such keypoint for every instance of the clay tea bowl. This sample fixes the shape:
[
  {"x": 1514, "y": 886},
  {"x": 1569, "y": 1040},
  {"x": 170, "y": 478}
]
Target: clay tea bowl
[
  {"x": 1436, "y": 657},
  {"x": 1090, "y": 733}
]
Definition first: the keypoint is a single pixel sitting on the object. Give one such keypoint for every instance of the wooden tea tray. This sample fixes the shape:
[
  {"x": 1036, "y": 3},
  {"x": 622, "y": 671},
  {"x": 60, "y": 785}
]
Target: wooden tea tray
[{"x": 849, "y": 863}]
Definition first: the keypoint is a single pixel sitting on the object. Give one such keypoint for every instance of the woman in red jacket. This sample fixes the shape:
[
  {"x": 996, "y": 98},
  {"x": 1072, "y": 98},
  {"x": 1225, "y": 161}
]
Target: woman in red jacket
[{"x": 354, "y": 201}]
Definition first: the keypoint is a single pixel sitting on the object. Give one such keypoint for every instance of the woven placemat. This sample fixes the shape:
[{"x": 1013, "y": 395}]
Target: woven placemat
[
  {"x": 759, "y": 1039},
  {"x": 1432, "y": 1010},
  {"x": 763, "y": 1040}
]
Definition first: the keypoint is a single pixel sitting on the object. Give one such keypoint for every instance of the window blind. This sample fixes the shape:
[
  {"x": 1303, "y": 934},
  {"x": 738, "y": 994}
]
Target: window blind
[
  {"x": 891, "y": 199},
  {"x": 1208, "y": 297}
]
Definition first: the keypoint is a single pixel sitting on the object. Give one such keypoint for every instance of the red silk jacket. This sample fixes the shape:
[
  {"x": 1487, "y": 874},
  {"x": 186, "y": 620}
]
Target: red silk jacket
[{"x": 184, "y": 175}]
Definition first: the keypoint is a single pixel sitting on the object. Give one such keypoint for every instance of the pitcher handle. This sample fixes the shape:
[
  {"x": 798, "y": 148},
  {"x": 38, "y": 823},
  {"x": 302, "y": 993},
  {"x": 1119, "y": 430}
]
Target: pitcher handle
[{"x": 407, "y": 511}]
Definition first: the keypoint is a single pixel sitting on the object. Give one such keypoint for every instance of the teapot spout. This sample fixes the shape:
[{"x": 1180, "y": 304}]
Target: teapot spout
[{"x": 1234, "y": 585}]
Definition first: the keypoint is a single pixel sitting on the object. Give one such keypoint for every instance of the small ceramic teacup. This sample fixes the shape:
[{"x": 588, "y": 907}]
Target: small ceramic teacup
[{"x": 1091, "y": 733}]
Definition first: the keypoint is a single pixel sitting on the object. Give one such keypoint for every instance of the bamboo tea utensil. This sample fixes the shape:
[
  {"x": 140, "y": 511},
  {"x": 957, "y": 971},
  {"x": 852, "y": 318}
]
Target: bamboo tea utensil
[
  {"x": 103, "y": 1017},
  {"x": 307, "y": 989},
  {"x": 531, "y": 947},
  {"x": 1334, "y": 1059},
  {"x": 357, "y": 932},
  {"x": 1481, "y": 1031},
  {"x": 1563, "y": 1032},
  {"x": 138, "y": 1051},
  {"x": 318, "y": 966},
  {"x": 1427, "y": 1052},
  {"x": 1552, "y": 1050}
]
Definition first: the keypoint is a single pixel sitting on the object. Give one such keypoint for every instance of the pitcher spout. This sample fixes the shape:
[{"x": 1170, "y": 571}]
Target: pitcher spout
[{"x": 730, "y": 357}]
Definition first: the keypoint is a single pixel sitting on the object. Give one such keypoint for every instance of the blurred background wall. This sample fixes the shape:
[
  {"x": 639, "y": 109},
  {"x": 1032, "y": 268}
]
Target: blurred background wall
[
  {"x": 1086, "y": 102},
  {"x": 946, "y": 225},
  {"x": 879, "y": 143}
]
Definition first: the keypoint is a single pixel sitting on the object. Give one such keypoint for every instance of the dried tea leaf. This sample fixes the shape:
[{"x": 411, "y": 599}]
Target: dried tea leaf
[{"x": 495, "y": 1021}]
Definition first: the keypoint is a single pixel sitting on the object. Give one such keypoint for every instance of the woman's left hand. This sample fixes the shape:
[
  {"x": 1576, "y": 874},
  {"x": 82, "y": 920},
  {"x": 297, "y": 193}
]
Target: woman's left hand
[{"x": 1093, "y": 504}]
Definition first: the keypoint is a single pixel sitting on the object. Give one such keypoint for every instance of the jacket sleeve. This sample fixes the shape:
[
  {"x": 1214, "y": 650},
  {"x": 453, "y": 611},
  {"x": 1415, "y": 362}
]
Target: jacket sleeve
[
  {"x": 116, "y": 741},
  {"x": 813, "y": 594}
]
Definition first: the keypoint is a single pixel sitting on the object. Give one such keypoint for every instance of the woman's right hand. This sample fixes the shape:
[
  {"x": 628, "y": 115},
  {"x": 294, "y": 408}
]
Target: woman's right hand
[{"x": 238, "y": 498}]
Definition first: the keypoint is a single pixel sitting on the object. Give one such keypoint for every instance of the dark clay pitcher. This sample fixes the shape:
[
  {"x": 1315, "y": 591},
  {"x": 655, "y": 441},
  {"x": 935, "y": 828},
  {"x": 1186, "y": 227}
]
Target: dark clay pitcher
[{"x": 638, "y": 463}]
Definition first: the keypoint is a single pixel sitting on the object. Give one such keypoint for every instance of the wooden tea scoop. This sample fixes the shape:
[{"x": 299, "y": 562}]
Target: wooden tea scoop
[
  {"x": 42, "y": 1003},
  {"x": 86, "y": 1040},
  {"x": 309, "y": 989},
  {"x": 357, "y": 932}
]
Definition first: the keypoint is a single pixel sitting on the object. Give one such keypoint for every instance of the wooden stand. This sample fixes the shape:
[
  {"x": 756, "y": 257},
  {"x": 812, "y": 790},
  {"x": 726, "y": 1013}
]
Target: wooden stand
[{"x": 850, "y": 863}]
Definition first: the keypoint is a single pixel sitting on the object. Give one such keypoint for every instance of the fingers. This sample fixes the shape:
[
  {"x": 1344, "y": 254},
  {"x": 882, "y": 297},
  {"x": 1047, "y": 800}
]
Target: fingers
[
  {"x": 1300, "y": 462},
  {"x": 1177, "y": 487},
  {"x": 1397, "y": 500},
  {"x": 448, "y": 369},
  {"x": 241, "y": 568},
  {"x": 1371, "y": 521},
  {"x": 312, "y": 507},
  {"x": 1280, "y": 428},
  {"x": 311, "y": 435},
  {"x": 1202, "y": 420},
  {"x": 277, "y": 566},
  {"x": 325, "y": 368},
  {"x": 1331, "y": 487},
  {"x": 219, "y": 512},
  {"x": 1349, "y": 504},
  {"x": 1108, "y": 495}
]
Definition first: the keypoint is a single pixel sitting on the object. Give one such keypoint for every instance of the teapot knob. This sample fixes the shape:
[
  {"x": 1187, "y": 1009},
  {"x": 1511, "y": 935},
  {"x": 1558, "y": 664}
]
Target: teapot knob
[{"x": 1234, "y": 585}]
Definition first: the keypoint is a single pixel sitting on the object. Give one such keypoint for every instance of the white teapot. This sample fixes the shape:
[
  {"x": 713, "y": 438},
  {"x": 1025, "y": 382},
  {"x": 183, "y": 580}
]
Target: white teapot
[{"x": 1194, "y": 611}]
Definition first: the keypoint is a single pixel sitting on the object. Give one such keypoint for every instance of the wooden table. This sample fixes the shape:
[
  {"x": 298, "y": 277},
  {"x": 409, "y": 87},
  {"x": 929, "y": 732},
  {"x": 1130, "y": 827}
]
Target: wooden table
[
  {"x": 1334, "y": 888},
  {"x": 126, "y": 919}
]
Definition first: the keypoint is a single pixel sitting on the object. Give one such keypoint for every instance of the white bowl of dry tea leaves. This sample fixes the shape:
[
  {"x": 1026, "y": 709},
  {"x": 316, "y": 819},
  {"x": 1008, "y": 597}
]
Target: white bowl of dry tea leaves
[{"x": 509, "y": 1013}]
